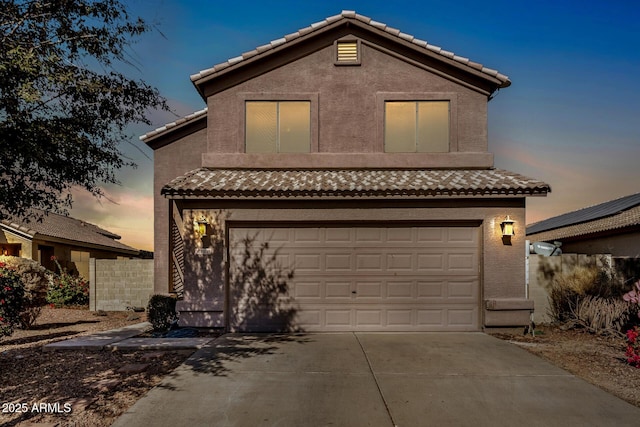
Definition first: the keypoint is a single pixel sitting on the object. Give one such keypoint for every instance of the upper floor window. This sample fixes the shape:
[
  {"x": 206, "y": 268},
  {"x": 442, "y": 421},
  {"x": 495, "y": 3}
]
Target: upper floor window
[
  {"x": 278, "y": 126},
  {"x": 416, "y": 126}
]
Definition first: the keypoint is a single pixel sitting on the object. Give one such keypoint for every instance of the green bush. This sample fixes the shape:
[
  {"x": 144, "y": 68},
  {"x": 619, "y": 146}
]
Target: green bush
[
  {"x": 161, "y": 312},
  {"x": 65, "y": 289},
  {"x": 35, "y": 279},
  {"x": 11, "y": 299}
]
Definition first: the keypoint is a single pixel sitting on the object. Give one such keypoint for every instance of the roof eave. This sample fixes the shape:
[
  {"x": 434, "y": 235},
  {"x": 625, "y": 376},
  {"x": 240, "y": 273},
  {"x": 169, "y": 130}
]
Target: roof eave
[
  {"x": 186, "y": 125},
  {"x": 195, "y": 195},
  {"x": 18, "y": 229},
  {"x": 201, "y": 79},
  {"x": 79, "y": 243}
]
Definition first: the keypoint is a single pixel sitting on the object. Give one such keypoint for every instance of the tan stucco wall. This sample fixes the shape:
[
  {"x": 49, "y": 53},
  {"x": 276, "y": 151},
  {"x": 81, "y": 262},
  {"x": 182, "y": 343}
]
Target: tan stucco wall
[
  {"x": 350, "y": 104},
  {"x": 62, "y": 252},
  {"x": 502, "y": 266},
  {"x": 26, "y": 249},
  {"x": 171, "y": 161}
]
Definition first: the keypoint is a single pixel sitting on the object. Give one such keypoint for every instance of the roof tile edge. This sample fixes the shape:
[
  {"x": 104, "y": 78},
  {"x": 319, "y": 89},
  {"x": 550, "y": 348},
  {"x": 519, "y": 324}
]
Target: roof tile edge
[{"x": 350, "y": 14}]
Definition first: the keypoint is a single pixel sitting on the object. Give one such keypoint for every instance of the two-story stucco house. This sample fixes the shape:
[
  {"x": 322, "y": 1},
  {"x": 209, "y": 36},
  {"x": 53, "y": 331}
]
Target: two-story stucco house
[{"x": 360, "y": 154}]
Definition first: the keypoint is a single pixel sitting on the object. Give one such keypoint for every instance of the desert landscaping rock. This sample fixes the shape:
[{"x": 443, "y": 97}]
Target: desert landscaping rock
[{"x": 134, "y": 368}]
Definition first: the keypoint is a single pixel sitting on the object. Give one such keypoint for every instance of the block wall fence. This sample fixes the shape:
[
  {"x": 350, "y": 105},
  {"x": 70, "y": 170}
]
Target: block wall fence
[{"x": 116, "y": 284}]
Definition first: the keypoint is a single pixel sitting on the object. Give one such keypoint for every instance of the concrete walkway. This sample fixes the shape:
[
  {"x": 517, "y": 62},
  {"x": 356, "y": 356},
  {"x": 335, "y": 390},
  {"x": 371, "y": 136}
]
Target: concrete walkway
[
  {"x": 373, "y": 379},
  {"x": 126, "y": 338}
]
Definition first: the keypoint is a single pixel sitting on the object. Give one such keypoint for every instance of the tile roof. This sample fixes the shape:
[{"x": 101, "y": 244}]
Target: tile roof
[
  {"x": 375, "y": 183},
  {"x": 615, "y": 214},
  {"x": 71, "y": 229},
  {"x": 349, "y": 14},
  {"x": 179, "y": 122}
]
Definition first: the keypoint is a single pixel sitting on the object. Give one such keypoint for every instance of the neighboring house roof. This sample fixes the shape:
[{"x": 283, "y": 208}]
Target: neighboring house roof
[
  {"x": 349, "y": 15},
  {"x": 612, "y": 215},
  {"x": 60, "y": 227},
  {"x": 251, "y": 183}
]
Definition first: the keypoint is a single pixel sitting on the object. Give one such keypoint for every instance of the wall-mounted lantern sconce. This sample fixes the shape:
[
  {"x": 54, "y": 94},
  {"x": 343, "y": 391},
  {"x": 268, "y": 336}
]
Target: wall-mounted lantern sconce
[
  {"x": 202, "y": 225},
  {"x": 507, "y": 227},
  {"x": 507, "y": 230}
]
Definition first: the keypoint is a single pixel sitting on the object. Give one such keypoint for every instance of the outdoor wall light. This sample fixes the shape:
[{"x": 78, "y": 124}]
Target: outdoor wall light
[
  {"x": 507, "y": 227},
  {"x": 202, "y": 225}
]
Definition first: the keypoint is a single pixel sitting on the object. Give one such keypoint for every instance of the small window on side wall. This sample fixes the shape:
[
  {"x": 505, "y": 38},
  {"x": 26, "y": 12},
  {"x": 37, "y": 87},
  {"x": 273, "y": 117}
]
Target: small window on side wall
[
  {"x": 416, "y": 126},
  {"x": 278, "y": 127}
]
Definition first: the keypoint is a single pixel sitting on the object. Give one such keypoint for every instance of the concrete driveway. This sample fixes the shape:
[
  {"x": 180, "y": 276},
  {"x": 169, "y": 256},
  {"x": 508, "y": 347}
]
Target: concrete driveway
[{"x": 373, "y": 379}]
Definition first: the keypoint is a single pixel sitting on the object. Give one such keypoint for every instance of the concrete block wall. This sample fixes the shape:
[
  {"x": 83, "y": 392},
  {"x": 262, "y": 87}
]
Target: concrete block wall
[{"x": 118, "y": 284}]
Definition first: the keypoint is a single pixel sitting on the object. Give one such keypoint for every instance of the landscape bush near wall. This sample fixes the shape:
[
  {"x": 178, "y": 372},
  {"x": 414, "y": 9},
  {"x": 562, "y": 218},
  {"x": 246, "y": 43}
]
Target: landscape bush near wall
[
  {"x": 543, "y": 271},
  {"x": 119, "y": 284}
]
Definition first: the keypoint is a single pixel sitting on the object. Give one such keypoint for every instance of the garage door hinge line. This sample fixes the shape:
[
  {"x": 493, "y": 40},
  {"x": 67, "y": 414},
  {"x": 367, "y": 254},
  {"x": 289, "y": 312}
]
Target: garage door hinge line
[{"x": 384, "y": 400}]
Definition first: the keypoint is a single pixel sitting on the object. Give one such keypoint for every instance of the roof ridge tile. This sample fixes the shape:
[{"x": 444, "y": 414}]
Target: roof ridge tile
[{"x": 351, "y": 14}]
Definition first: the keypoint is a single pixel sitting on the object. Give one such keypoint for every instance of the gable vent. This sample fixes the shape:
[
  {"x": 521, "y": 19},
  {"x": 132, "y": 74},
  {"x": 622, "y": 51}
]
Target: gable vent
[{"x": 348, "y": 52}]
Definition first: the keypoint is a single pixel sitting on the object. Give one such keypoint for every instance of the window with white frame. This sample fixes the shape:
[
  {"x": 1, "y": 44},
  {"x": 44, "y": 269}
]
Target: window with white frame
[
  {"x": 416, "y": 126},
  {"x": 278, "y": 126}
]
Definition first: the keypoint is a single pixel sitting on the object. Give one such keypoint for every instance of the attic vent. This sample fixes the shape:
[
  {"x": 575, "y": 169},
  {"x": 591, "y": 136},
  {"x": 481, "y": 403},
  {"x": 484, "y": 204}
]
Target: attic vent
[{"x": 348, "y": 52}]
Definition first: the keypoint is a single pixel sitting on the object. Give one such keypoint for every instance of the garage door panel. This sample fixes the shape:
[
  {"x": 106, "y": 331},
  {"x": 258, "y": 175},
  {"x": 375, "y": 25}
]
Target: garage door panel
[
  {"x": 463, "y": 235},
  {"x": 339, "y": 235},
  {"x": 461, "y": 317},
  {"x": 276, "y": 236},
  {"x": 400, "y": 317},
  {"x": 400, "y": 290},
  {"x": 340, "y": 290},
  {"x": 368, "y": 317},
  {"x": 463, "y": 263},
  {"x": 310, "y": 319},
  {"x": 338, "y": 262},
  {"x": 370, "y": 235},
  {"x": 308, "y": 290},
  {"x": 463, "y": 290},
  {"x": 369, "y": 290},
  {"x": 432, "y": 317},
  {"x": 431, "y": 235},
  {"x": 429, "y": 263},
  {"x": 431, "y": 289},
  {"x": 386, "y": 279},
  {"x": 307, "y": 235},
  {"x": 308, "y": 263},
  {"x": 400, "y": 262},
  {"x": 331, "y": 318},
  {"x": 400, "y": 235},
  {"x": 338, "y": 318},
  {"x": 369, "y": 262}
]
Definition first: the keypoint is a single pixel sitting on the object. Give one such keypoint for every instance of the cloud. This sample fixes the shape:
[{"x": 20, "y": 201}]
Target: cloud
[
  {"x": 579, "y": 176},
  {"x": 123, "y": 211}
]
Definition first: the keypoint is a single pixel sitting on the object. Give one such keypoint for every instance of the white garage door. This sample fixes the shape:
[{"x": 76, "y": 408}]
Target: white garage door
[{"x": 363, "y": 278}]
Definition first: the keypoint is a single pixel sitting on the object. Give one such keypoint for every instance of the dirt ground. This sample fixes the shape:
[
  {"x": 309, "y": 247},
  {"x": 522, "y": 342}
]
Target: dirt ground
[
  {"x": 83, "y": 388},
  {"x": 596, "y": 359},
  {"x": 74, "y": 388}
]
